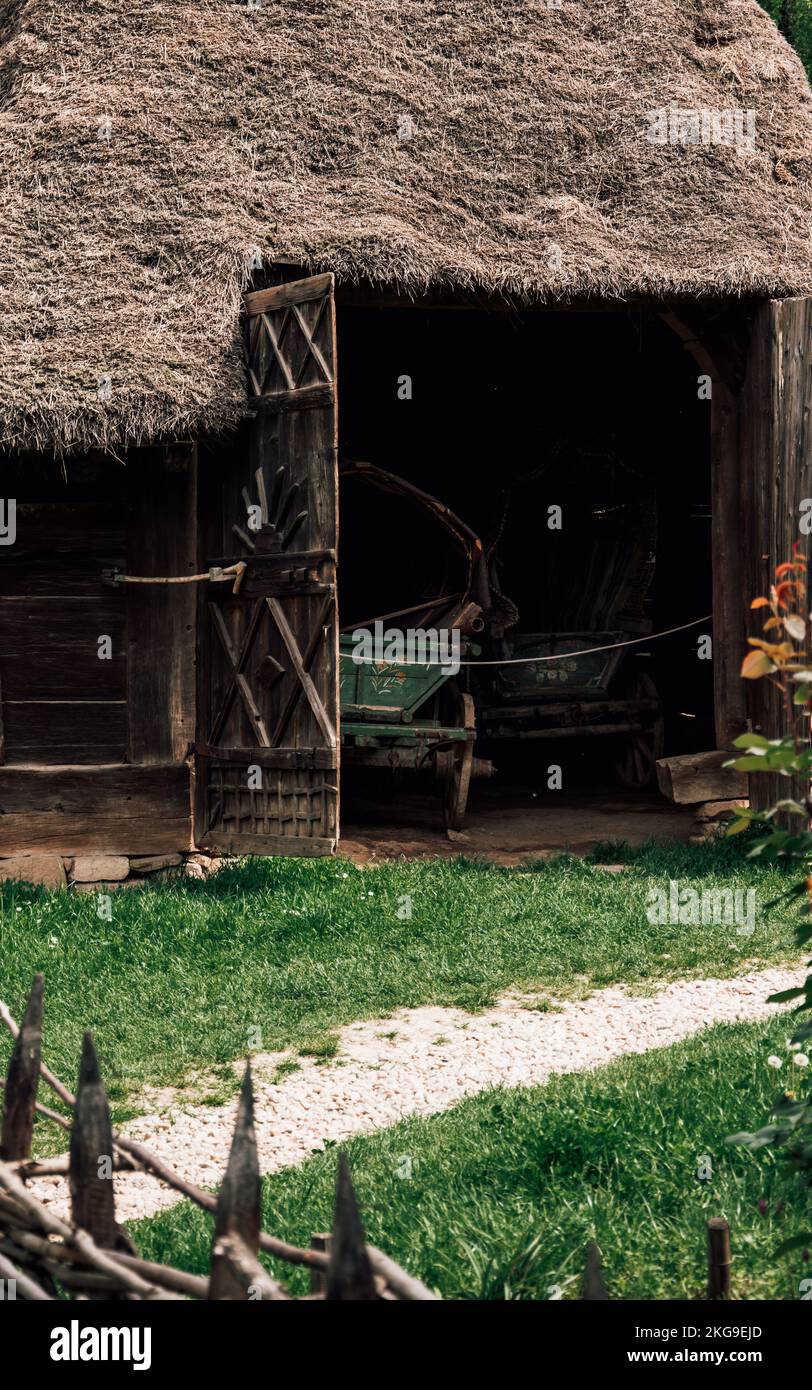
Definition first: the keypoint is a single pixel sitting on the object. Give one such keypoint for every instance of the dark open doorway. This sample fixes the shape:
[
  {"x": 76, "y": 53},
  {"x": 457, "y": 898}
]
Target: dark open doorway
[{"x": 505, "y": 418}]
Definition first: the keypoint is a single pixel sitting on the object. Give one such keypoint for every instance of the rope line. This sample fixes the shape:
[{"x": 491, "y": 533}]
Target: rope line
[
  {"x": 533, "y": 660},
  {"x": 213, "y": 575},
  {"x": 239, "y": 569}
]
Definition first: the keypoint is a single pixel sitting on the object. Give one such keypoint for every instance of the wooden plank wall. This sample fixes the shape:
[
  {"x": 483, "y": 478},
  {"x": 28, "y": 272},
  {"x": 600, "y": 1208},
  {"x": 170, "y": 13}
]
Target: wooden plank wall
[
  {"x": 776, "y": 464},
  {"x": 161, "y": 540},
  {"x": 61, "y": 702},
  {"x": 111, "y": 810},
  {"x": 224, "y": 469},
  {"x": 95, "y": 750}
]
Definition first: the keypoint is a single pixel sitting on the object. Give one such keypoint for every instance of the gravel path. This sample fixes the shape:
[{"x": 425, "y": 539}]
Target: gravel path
[{"x": 435, "y": 1057}]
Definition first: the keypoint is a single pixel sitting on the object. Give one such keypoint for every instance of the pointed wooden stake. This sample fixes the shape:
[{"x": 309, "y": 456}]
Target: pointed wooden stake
[
  {"x": 91, "y": 1154},
  {"x": 594, "y": 1287},
  {"x": 349, "y": 1273},
  {"x": 235, "y": 1270},
  {"x": 238, "y": 1203},
  {"x": 20, "y": 1095},
  {"x": 718, "y": 1258}
]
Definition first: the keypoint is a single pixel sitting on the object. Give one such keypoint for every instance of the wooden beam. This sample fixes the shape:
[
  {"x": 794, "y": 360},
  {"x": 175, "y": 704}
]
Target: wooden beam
[
  {"x": 296, "y": 846},
  {"x": 729, "y": 596},
  {"x": 161, "y": 541},
  {"x": 717, "y": 337},
  {"x": 693, "y": 777},
  {"x": 287, "y": 402},
  {"x": 367, "y": 296},
  {"x": 293, "y": 758},
  {"x": 293, "y": 292},
  {"x": 776, "y": 470},
  {"x": 116, "y": 809}
]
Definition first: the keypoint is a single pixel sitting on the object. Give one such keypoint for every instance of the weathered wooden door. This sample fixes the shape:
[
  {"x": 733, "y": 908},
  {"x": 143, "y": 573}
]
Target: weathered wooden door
[{"x": 268, "y": 747}]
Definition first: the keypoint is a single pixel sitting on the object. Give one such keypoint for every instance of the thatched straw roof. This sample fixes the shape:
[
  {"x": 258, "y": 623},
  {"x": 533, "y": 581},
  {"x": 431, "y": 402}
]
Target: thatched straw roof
[{"x": 414, "y": 143}]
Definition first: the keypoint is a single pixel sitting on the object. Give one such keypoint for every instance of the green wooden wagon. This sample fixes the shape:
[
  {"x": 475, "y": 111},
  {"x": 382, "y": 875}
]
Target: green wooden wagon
[
  {"x": 413, "y": 714},
  {"x": 558, "y": 686},
  {"x": 581, "y": 680}
]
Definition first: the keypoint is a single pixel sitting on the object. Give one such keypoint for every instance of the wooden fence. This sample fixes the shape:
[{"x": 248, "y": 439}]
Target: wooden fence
[{"x": 93, "y": 1257}]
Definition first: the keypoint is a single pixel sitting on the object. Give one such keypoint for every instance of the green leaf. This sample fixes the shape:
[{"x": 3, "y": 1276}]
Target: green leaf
[
  {"x": 794, "y": 1243},
  {"x": 759, "y": 1140}
]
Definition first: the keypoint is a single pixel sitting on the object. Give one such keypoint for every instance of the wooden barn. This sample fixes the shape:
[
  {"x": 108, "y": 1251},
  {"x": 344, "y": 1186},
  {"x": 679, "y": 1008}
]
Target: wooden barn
[{"x": 481, "y": 246}]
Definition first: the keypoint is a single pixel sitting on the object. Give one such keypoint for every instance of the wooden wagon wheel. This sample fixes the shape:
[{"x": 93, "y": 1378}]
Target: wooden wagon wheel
[
  {"x": 454, "y": 765},
  {"x": 635, "y": 767}
]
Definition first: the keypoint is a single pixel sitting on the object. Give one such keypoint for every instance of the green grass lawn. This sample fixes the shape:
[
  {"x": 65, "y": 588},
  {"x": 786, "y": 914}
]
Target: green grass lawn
[
  {"x": 507, "y": 1188},
  {"x": 275, "y": 953}
]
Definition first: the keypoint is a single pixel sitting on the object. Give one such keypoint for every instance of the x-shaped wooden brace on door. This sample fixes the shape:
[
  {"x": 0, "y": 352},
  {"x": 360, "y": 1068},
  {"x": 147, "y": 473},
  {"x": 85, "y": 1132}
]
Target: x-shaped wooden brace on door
[
  {"x": 276, "y": 340},
  {"x": 238, "y": 681},
  {"x": 301, "y": 665}
]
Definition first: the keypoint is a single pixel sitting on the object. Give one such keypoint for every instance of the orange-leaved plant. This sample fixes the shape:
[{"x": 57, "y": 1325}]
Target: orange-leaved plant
[{"x": 782, "y": 657}]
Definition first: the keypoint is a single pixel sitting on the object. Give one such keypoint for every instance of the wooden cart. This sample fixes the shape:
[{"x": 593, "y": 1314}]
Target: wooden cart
[
  {"x": 578, "y": 693},
  {"x": 397, "y": 715},
  {"x": 555, "y": 684}
]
